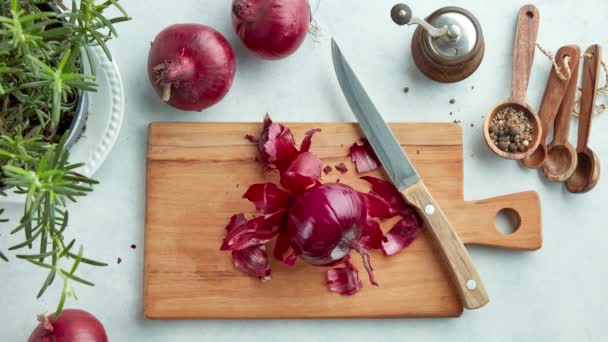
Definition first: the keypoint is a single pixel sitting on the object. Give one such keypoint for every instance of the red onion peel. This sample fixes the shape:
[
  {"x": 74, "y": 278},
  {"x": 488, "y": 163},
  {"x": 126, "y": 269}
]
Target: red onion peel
[
  {"x": 319, "y": 223},
  {"x": 363, "y": 156},
  {"x": 344, "y": 280}
]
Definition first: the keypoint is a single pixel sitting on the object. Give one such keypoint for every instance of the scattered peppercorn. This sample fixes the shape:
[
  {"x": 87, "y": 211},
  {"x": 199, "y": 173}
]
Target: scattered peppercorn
[
  {"x": 452, "y": 101},
  {"x": 406, "y": 89},
  {"x": 133, "y": 246},
  {"x": 511, "y": 130}
]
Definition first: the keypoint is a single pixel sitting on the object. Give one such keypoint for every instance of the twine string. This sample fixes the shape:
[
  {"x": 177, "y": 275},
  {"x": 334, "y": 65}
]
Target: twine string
[{"x": 567, "y": 73}]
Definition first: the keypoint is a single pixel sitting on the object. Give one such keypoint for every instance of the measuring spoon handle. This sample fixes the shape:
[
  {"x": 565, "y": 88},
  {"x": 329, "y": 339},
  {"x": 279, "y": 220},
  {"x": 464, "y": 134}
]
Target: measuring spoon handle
[
  {"x": 555, "y": 89},
  {"x": 591, "y": 73},
  {"x": 523, "y": 51},
  {"x": 561, "y": 128}
]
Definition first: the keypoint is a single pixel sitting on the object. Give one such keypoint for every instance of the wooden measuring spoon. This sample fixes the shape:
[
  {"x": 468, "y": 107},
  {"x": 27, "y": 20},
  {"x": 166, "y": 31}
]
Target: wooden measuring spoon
[
  {"x": 523, "y": 56},
  {"x": 561, "y": 156},
  {"x": 587, "y": 171},
  {"x": 552, "y": 99}
]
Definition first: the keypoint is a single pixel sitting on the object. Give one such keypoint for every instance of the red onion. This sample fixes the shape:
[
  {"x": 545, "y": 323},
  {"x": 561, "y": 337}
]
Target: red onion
[
  {"x": 326, "y": 222},
  {"x": 272, "y": 29},
  {"x": 191, "y": 66},
  {"x": 72, "y": 326}
]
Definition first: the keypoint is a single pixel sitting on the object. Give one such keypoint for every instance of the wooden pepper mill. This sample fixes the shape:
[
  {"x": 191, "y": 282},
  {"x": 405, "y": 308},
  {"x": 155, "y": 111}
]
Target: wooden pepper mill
[{"x": 447, "y": 46}]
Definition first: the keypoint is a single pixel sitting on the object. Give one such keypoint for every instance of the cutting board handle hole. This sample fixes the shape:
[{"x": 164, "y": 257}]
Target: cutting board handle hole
[{"x": 507, "y": 221}]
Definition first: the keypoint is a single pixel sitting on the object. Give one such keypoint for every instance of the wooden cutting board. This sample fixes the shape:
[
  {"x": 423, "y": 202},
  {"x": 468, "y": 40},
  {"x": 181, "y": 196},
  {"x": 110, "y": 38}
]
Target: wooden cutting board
[{"x": 197, "y": 173}]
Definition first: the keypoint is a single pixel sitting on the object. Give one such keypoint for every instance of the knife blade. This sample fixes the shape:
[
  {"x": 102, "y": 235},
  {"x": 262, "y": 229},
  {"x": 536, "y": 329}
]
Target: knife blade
[{"x": 404, "y": 176}]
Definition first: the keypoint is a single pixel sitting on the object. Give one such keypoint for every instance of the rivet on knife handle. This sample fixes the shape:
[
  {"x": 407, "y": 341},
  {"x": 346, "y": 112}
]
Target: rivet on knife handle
[{"x": 467, "y": 280}]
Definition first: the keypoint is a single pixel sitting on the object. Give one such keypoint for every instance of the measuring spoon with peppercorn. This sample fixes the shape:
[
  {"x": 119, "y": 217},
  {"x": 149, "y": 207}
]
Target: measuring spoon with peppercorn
[
  {"x": 567, "y": 58},
  {"x": 511, "y": 128}
]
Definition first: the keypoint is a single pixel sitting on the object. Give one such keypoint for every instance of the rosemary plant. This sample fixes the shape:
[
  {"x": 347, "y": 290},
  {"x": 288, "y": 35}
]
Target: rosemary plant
[{"x": 42, "y": 50}]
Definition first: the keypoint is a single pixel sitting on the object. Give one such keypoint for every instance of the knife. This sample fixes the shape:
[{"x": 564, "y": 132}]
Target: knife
[{"x": 405, "y": 178}]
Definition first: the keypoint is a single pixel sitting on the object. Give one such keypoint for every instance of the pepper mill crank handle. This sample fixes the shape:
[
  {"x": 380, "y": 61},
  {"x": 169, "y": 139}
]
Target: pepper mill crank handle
[{"x": 402, "y": 15}]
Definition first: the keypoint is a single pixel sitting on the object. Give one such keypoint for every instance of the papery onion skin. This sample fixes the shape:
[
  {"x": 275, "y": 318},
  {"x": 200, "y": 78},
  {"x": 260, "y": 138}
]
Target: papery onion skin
[
  {"x": 325, "y": 222},
  {"x": 403, "y": 233},
  {"x": 304, "y": 172},
  {"x": 276, "y": 146},
  {"x": 191, "y": 66},
  {"x": 73, "y": 325},
  {"x": 271, "y": 29},
  {"x": 344, "y": 280},
  {"x": 363, "y": 155}
]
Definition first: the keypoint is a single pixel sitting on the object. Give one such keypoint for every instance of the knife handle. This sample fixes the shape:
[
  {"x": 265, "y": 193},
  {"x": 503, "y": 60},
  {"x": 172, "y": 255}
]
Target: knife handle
[{"x": 463, "y": 271}]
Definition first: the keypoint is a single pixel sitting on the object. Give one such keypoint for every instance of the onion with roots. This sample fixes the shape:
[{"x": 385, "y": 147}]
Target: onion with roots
[
  {"x": 191, "y": 66},
  {"x": 272, "y": 29},
  {"x": 72, "y": 326},
  {"x": 326, "y": 222}
]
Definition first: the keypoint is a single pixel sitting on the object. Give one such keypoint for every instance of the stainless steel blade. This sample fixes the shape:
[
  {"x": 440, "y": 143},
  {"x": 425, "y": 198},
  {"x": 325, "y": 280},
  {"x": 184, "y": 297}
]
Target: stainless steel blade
[{"x": 394, "y": 160}]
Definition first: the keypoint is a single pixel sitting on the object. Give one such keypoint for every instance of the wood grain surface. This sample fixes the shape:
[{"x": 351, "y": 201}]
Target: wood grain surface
[
  {"x": 465, "y": 276},
  {"x": 551, "y": 101},
  {"x": 197, "y": 173},
  {"x": 526, "y": 32}
]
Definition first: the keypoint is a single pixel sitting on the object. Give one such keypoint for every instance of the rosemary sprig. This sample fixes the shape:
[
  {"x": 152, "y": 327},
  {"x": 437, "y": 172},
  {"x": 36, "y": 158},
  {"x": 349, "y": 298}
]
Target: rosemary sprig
[{"x": 42, "y": 53}]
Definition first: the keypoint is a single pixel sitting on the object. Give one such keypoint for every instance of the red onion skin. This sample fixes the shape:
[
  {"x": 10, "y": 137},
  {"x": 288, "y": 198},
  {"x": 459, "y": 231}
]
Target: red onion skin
[
  {"x": 272, "y": 29},
  {"x": 325, "y": 223},
  {"x": 72, "y": 326},
  {"x": 191, "y": 66}
]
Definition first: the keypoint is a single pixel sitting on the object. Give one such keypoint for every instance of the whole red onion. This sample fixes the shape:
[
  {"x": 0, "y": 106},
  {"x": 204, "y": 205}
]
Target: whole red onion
[
  {"x": 72, "y": 326},
  {"x": 191, "y": 66},
  {"x": 272, "y": 29},
  {"x": 325, "y": 223}
]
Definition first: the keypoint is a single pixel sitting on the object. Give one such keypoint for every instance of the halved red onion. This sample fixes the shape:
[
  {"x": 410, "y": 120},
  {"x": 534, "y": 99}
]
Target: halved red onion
[
  {"x": 267, "y": 197},
  {"x": 254, "y": 261},
  {"x": 403, "y": 233},
  {"x": 303, "y": 172},
  {"x": 363, "y": 156},
  {"x": 344, "y": 280}
]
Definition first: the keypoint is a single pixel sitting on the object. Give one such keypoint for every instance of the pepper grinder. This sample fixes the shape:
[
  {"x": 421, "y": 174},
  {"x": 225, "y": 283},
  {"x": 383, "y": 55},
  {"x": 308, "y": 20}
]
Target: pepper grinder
[{"x": 447, "y": 46}]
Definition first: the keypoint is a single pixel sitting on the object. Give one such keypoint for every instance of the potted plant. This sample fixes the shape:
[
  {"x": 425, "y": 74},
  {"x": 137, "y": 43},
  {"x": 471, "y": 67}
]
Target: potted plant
[{"x": 43, "y": 85}]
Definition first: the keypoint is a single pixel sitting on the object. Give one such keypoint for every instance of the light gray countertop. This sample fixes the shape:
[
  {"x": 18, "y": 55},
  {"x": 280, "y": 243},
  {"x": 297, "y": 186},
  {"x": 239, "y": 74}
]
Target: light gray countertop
[{"x": 555, "y": 294}]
